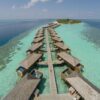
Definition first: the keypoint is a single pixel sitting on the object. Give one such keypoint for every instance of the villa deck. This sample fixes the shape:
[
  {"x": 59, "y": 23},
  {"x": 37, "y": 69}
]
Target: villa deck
[
  {"x": 56, "y": 39},
  {"x": 61, "y": 46},
  {"x": 55, "y": 97},
  {"x": 51, "y": 69},
  {"x": 24, "y": 89},
  {"x": 35, "y": 47},
  {"x": 83, "y": 88},
  {"x": 69, "y": 59},
  {"x": 30, "y": 60}
]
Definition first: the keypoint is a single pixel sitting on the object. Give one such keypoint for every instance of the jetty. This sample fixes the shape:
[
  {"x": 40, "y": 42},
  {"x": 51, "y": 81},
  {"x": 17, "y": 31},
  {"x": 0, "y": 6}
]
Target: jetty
[
  {"x": 51, "y": 70},
  {"x": 49, "y": 51}
]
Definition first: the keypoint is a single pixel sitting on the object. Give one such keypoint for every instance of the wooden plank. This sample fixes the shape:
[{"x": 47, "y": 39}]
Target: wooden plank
[
  {"x": 54, "y": 35},
  {"x": 51, "y": 69},
  {"x": 69, "y": 58},
  {"x": 84, "y": 89},
  {"x": 61, "y": 46},
  {"x": 39, "y": 35},
  {"x": 36, "y": 46},
  {"x": 24, "y": 89},
  {"x": 30, "y": 60},
  {"x": 38, "y": 39},
  {"x": 40, "y": 31},
  {"x": 55, "y": 97},
  {"x": 56, "y": 39}
]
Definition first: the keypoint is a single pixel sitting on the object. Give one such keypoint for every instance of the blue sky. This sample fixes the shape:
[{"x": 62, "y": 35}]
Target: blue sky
[{"x": 32, "y": 9}]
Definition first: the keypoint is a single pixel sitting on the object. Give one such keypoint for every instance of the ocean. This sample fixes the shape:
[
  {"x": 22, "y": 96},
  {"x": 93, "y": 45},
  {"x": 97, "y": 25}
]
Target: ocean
[
  {"x": 12, "y": 28},
  {"x": 16, "y": 37}
]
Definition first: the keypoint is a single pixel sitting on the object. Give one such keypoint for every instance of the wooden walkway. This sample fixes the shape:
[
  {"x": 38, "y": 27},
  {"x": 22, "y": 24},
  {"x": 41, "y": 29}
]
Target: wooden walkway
[
  {"x": 66, "y": 96},
  {"x": 24, "y": 89},
  {"x": 51, "y": 70}
]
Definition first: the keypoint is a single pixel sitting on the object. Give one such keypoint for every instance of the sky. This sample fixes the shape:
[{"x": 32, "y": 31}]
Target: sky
[{"x": 34, "y": 9}]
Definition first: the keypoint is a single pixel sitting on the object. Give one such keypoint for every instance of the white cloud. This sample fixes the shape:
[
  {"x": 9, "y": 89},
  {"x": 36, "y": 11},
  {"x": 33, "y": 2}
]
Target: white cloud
[
  {"x": 32, "y": 3},
  {"x": 60, "y": 1}
]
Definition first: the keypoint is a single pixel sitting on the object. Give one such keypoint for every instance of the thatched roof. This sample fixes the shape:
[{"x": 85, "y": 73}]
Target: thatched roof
[
  {"x": 69, "y": 59},
  {"x": 36, "y": 46},
  {"x": 61, "y": 46},
  {"x": 30, "y": 60},
  {"x": 38, "y": 39},
  {"x": 24, "y": 89},
  {"x": 83, "y": 88}
]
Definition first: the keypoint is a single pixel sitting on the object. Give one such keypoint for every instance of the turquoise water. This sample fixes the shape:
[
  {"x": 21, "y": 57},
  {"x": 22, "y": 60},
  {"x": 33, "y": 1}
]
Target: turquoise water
[
  {"x": 72, "y": 34},
  {"x": 44, "y": 86},
  {"x": 61, "y": 85},
  {"x": 8, "y": 76}
]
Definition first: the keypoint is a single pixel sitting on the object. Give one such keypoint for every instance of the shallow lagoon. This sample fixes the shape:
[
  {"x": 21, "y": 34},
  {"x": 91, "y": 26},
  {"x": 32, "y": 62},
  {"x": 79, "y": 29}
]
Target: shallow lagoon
[
  {"x": 8, "y": 75},
  {"x": 72, "y": 35},
  {"x": 85, "y": 51}
]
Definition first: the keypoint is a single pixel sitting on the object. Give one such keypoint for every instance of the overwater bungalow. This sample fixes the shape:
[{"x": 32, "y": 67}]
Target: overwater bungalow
[
  {"x": 61, "y": 47},
  {"x": 26, "y": 88},
  {"x": 73, "y": 62},
  {"x": 39, "y": 35},
  {"x": 81, "y": 85},
  {"x": 56, "y": 39},
  {"x": 36, "y": 40},
  {"x": 40, "y": 31},
  {"x": 27, "y": 63},
  {"x": 51, "y": 31},
  {"x": 35, "y": 47},
  {"x": 54, "y": 24},
  {"x": 54, "y": 35}
]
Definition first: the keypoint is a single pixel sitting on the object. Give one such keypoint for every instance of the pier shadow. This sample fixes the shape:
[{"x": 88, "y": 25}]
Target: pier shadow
[{"x": 41, "y": 86}]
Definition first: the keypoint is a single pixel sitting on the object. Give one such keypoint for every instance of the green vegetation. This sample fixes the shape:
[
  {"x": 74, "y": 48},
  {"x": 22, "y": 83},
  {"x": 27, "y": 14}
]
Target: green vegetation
[{"x": 68, "y": 21}]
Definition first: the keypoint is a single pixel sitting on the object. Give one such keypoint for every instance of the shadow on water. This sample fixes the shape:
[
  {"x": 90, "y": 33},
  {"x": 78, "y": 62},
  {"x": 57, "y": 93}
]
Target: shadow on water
[{"x": 41, "y": 85}]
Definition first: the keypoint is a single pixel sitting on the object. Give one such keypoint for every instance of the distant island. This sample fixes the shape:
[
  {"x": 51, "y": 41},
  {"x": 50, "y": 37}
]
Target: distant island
[{"x": 68, "y": 21}]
